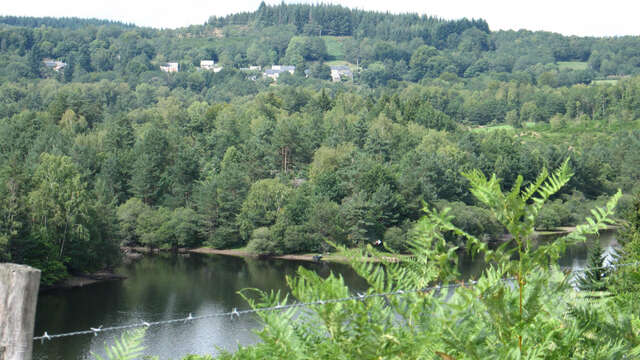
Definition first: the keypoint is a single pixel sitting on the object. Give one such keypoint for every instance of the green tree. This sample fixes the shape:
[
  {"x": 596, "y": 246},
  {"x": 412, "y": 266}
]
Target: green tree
[
  {"x": 594, "y": 279},
  {"x": 420, "y": 61},
  {"x": 69, "y": 69},
  {"x": 154, "y": 228},
  {"x": 128, "y": 214},
  {"x": 625, "y": 280},
  {"x": 219, "y": 201},
  {"x": 59, "y": 202},
  {"x": 184, "y": 224},
  {"x": 148, "y": 181},
  {"x": 264, "y": 201}
]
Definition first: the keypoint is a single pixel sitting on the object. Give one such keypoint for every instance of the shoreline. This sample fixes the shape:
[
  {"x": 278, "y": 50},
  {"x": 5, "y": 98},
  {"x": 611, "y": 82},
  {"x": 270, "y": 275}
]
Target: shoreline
[
  {"x": 81, "y": 280},
  {"x": 135, "y": 252},
  {"x": 330, "y": 257},
  {"x": 563, "y": 230},
  {"x": 132, "y": 253}
]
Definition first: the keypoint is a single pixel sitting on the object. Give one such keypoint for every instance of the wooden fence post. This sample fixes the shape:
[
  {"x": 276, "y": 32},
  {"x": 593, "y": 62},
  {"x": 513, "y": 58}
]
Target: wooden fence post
[{"x": 18, "y": 296}]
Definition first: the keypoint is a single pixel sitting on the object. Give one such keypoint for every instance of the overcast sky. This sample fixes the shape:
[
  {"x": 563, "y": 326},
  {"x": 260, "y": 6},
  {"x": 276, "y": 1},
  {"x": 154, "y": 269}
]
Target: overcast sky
[{"x": 569, "y": 17}]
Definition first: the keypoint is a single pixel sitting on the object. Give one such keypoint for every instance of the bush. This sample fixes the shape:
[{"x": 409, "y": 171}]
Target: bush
[
  {"x": 474, "y": 220},
  {"x": 553, "y": 215},
  {"x": 395, "y": 239},
  {"x": 225, "y": 237},
  {"x": 261, "y": 242}
]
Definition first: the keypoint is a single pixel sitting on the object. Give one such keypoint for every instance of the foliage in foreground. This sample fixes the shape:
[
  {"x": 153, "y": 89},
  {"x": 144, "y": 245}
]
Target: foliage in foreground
[
  {"x": 129, "y": 347},
  {"x": 522, "y": 308}
]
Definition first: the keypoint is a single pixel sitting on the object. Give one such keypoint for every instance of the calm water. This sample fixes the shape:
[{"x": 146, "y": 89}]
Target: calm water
[{"x": 168, "y": 287}]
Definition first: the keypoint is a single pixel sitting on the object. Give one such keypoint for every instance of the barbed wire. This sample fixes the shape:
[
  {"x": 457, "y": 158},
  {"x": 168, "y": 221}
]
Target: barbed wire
[{"x": 235, "y": 313}]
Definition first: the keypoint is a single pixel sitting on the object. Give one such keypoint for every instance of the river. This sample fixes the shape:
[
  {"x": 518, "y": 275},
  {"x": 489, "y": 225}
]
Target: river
[{"x": 165, "y": 287}]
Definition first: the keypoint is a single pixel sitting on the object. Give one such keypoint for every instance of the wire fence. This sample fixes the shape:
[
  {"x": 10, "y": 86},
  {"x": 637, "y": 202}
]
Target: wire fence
[{"x": 235, "y": 313}]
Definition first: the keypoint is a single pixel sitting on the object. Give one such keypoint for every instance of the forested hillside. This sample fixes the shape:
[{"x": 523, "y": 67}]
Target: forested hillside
[{"x": 110, "y": 150}]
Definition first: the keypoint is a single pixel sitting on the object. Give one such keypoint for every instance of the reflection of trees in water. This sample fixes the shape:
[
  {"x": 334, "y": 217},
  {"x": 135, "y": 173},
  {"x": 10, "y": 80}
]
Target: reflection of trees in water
[
  {"x": 271, "y": 274},
  {"x": 176, "y": 284},
  {"x": 574, "y": 256},
  {"x": 167, "y": 286}
]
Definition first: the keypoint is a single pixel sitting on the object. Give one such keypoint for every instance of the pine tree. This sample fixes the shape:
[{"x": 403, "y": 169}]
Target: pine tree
[{"x": 594, "y": 279}]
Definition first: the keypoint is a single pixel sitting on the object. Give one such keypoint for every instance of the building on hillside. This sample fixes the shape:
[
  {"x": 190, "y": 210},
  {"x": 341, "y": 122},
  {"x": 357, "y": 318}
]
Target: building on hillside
[
  {"x": 54, "y": 64},
  {"x": 341, "y": 72},
  {"x": 276, "y": 70},
  {"x": 290, "y": 68},
  {"x": 210, "y": 65},
  {"x": 169, "y": 67},
  {"x": 251, "y": 68},
  {"x": 207, "y": 64},
  {"x": 272, "y": 74}
]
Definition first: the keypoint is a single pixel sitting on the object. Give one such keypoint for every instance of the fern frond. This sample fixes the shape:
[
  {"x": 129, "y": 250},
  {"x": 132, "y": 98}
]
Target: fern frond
[
  {"x": 533, "y": 187},
  {"x": 556, "y": 181},
  {"x": 601, "y": 218},
  {"x": 487, "y": 191},
  {"x": 129, "y": 347}
]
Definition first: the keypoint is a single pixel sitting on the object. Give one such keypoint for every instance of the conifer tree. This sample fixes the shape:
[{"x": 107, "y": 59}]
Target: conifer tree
[{"x": 594, "y": 279}]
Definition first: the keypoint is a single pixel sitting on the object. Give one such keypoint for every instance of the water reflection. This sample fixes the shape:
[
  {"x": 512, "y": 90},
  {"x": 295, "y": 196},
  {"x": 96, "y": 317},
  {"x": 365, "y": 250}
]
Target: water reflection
[
  {"x": 163, "y": 288},
  {"x": 167, "y": 287}
]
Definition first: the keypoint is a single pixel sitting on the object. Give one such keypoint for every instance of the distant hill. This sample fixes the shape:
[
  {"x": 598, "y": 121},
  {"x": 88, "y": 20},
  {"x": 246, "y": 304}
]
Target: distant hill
[
  {"x": 63, "y": 22},
  {"x": 337, "y": 20}
]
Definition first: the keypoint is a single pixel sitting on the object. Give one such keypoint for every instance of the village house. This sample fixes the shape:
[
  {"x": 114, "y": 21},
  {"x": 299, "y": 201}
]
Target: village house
[
  {"x": 210, "y": 66},
  {"x": 276, "y": 70},
  {"x": 207, "y": 64},
  {"x": 252, "y": 68},
  {"x": 53, "y": 64},
  {"x": 339, "y": 72},
  {"x": 169, "y": 67}
]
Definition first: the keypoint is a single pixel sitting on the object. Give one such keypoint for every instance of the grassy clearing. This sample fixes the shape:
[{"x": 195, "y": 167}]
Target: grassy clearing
[
  {"x": 492, "y": 128},
  {"x": 335, "y": 48},
  {"x": 567, "y": 135},
  {"x": 573, "y": 65},
  {"x": 341, "y": 62},
  {"x": 605, "y": 82}
]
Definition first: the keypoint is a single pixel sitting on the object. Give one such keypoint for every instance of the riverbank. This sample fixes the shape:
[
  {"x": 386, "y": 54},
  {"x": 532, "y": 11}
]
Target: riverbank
[
  {"x": 564, "y": 230},
  {"x": 138, "y": 251},
  {"x": 80, "y": 280},
  {"x": 313, "y": 257}
]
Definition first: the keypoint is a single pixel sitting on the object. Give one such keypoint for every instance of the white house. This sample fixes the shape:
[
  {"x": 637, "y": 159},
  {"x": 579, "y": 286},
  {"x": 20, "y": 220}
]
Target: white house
[
  {"x": 339, "y": 72},
  {"x": 290, "y": 68},
  {"x": 54, "y": 64},
  {"x": 276, "y": 70},
  {"x": 169, "y": 67},
  {"x": 207, "y": 64}
]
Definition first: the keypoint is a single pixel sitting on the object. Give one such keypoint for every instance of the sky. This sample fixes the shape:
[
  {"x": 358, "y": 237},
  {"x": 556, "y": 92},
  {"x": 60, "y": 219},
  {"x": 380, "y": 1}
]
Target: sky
[{"x": 568, "y": 17}]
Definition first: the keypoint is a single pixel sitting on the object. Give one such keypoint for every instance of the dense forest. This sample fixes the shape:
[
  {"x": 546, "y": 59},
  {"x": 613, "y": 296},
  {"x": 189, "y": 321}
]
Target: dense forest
[{"x": 109, "y": 150}]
